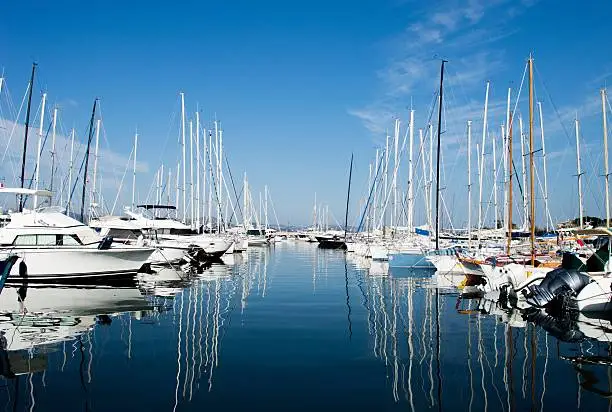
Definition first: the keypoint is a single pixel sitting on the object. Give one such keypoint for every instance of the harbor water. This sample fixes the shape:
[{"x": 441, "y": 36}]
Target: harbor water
[{"x": 292, "y": 327}]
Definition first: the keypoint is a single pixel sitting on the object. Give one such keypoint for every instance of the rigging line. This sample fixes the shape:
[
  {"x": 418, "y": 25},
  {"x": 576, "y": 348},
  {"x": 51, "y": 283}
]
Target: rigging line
[
  {"x": 370, "y": 196},
  {"x": 229, "y": 169}
]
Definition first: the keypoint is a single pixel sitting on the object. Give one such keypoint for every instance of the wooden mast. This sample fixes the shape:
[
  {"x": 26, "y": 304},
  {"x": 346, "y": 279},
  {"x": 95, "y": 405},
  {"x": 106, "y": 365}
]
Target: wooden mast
[
  {"x": 531, "y": 166},
  {"x": 510, "y": 168},
  {"x": 438, "y": 157}
]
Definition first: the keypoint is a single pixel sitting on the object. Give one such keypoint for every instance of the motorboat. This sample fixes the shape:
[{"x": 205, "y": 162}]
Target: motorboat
[
  {"x": 172, "y": 233},
  {"x": 130, "y": 231},
  {"x": 53, "y": 246}
]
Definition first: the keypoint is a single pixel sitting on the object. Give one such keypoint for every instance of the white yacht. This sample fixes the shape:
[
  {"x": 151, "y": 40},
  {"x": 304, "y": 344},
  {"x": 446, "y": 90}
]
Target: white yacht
[
  {"x": 132, "y": 231},
  {"x": 56, "y": 247},
  {"x": 171, "y": 232}
]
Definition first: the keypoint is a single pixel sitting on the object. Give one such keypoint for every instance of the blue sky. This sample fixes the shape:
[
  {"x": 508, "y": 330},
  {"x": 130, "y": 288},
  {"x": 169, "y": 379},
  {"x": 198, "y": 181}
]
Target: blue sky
[{"x": 298, "y": 86}]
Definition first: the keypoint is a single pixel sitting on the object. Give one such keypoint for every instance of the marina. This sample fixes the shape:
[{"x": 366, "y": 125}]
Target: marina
[
  {"x": 384, "y": 206},
  {"x": 294, "y": 325}
]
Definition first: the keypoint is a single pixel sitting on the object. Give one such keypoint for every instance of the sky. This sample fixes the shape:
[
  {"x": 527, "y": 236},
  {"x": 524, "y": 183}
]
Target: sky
[{"x": 298, "y": 86}]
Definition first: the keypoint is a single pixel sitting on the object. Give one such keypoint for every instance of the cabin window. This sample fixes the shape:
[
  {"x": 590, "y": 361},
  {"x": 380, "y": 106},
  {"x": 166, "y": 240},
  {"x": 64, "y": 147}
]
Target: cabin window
[
  {"x": 46, "y": 240},
  {"x": 25, "y": 240},
  {"x": 70, "y": 240}
]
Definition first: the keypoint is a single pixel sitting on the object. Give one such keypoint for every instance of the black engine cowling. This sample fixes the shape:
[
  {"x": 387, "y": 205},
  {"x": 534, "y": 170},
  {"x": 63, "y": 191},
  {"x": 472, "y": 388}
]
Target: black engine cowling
[{"x": 557, "y": 283}]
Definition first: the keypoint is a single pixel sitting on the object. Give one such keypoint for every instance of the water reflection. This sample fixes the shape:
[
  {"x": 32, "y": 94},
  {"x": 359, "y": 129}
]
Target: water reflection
[{"x": 294, "y": 322}]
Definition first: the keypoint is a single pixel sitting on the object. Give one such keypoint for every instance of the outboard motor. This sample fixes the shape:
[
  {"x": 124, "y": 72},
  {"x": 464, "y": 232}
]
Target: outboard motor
[
  {"x": 557, "y": 284},
  {"x": 105, "y": 243}
]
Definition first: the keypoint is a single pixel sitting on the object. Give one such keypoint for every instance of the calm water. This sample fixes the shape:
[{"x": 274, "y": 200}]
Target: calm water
[{"x": 291, "y": 327}]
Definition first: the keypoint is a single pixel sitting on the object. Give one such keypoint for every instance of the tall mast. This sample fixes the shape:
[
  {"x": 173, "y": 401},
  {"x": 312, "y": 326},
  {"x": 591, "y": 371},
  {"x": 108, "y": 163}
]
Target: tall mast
[
  {"x": 424, "y": 168},
  {"x": 524, "y": 166},
  {"x": 177, "y": 193},
  {"x": 266, "y": 207},
  {"x": 469, "y": 185},
  {"x": 212, "y": 182},
  {"x": 25, "y": 139},
  {"x": 496, "y": 214},
  {"x": 438, "y": 155},
  {"x": 606, "y": 170},
  {"x": 198, "y": 197},
  {"x": 70, "y": 169},
  {"x": 394, "y": 221},
  {"x": 40, "y": 134},
  {"x": 192, "y": 195},
  {"x": 386, "y": 180},
  {"x": 348, "y": 196},
  {"x": 91, "y": 127},
  {"x": 579, "y": 173},
  {"x": 183, "y": 147},
  {"x": 54, "y": 121},
  {"x": 95, "y": 171},
  {"x": 430, "y": 180},
  {"x": 220, "y": 181},
  {"x": 481, "y": 168},
  {"x": 410, "y": 174},
  {"x": 505, "y": 133},
  {"x": 375, "y": 188},
  {"x": 531, "y": 165},
  {"x": 546, "y": 210},
  {"x": 134, "y": 171},
  {"x": 510, "y": 175}
]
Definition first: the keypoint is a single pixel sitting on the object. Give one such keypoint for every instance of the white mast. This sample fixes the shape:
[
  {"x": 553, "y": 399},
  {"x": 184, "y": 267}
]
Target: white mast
[
  {"x": 168, "y": 186},
  {"x": 212, "y": 182},
  {"x": 395, "y": 162},
  {"x": 481, "y": 168},
  {"x": 134, "y": 173},
  {"x": 386, "y": 179},
  {"x": 579, "y": 170},
  {"x": 177, "y": 193},
  {"x": 184, "y": 162},
  {"x": 53, "y": 147},
  {"x": 469, "y": 185},
  {"x": 410, "y": 174},
  {"x": 198, "y": 206},
  {"x": 266, "y": 206},
  {"x": 95, "y": 171},
  {"x": 375, "y": 201},
  {"x": 40, "y": 133},
  {"x": 606, "y": 170},
  {"x": 70, "y": 169},
  {"x": 192, "y": 201},
  {"x": 424, "y": 168},
  {"x": 245, "y": 203},
  {"x": 430, "y": 182},
  {"x": 546, "y": 210},
  {"x": 495, "y": 183},
  {"x": 216, "y": 179},
  {"x": 525, "y": 213},
  {"x": 220, "y": 163}
]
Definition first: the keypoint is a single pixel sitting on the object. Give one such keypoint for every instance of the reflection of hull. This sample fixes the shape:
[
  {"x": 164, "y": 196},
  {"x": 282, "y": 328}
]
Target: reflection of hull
[
  {"x": 77, "y": 301},
  {"x": 49, "y": 264}
]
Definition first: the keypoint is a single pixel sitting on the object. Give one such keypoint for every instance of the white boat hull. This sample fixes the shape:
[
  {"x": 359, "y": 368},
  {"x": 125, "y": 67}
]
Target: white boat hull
[{"x": 77, "y": 263}]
